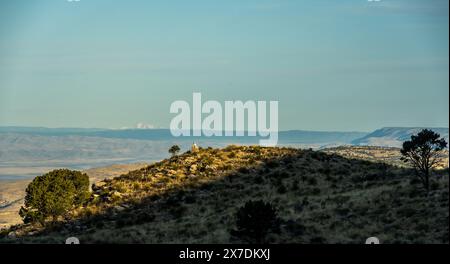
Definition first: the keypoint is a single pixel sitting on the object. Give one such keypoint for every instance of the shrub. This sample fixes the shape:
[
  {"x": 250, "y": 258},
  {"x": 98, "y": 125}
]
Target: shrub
[
  {"x": 295, "y": 185},
  {"x": 174, "y": 150},
  {"x": 244, "y": 170},
  {"x": 271, "y": 164},
  {"x": 53, "y": 194},
  {"x": 434, "y": 185},
  {"x": 232, "y": 155},
  {"x": 281, "y": 189},
  {"x": 177, "y": 212},
  {"x": 315, "y": 191},
  {"x": 258, "y": 179},
  {"x": 312, "y": 181},
  {"x": 255, "y": 220},
  {"x": 284, "y": 174}
]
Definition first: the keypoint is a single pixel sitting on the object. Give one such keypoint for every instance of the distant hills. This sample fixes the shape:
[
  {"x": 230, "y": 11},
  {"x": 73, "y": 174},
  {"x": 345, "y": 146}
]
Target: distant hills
[
  {"x": 45, "y": 131},
  {"x": 84, "y": 148},
  {"x": 291, "y": 136},
  {"x": 30, "y": 151},
  {"x": 394, "y": 136},
  {"x": 387, "y": 136}
]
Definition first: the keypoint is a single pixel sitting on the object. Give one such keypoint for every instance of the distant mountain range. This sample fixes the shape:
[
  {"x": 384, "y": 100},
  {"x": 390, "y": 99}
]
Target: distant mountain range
[
  {"x": 292, "y": 136},
  {"x": 388, "y": 136},
  {"x": 29, "y": 151},
  {"x": 394, "y": 136},
  {"x": 65, "y": 146}
]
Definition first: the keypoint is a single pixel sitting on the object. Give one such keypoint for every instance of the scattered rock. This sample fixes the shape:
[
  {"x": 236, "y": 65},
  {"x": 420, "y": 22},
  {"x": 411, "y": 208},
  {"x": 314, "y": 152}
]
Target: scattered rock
[{"x": 98, "y": 185}]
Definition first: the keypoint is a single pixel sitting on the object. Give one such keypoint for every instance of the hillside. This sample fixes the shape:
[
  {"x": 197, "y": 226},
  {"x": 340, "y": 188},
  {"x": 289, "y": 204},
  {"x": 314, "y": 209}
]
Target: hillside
[
  {"x": 394, "y": 136},
  {"x": 193, "y": 198},
  {"x": 29, "y": 151},
  {"x": 26, "y": 151},
  {"x": 387, "y": 155},
  {"x": 12, "y": 192}
]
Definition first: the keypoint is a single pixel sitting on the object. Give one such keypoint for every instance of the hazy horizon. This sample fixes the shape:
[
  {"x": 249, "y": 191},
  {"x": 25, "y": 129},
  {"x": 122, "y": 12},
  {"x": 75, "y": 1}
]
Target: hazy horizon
[{"x": 166, "y": 128}]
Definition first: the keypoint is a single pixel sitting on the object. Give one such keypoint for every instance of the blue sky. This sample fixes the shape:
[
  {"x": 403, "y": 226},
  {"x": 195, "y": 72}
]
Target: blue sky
[{"x": 333, "y": 65}]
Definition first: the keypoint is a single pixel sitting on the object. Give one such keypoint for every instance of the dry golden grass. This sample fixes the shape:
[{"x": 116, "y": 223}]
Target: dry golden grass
[
  {"x": 320, "y": 198},
  {"x": 381, "y": 154}
]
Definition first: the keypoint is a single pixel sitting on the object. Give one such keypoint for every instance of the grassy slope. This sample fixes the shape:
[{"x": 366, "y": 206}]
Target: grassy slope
[
  {"x": 12, "y": 192},
  {"x": 320, "y": 197}
]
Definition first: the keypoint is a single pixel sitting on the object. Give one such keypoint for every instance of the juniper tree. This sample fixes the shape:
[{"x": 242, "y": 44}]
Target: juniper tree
[
  {"x": 422, "y": 152},
  {"x": 53, "y": 194}
]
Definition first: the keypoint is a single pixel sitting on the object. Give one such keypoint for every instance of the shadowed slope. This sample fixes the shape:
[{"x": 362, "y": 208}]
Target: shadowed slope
[{"x": 320, "y": 198}]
